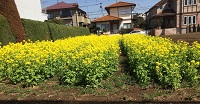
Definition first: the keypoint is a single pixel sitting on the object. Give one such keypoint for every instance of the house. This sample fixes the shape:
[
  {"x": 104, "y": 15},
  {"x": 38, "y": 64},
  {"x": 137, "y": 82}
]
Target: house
[
  {"x": 119, "y": 16},
  {"x": 174, "y": 16},
  {"x": 70, "y": 13},
  {"x": 30, "y": 9}
]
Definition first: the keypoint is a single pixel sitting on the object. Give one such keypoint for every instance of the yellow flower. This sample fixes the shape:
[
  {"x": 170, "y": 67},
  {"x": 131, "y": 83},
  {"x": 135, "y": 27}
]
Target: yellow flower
[
  {"x": 28, "y": 63},
  {"x": 193, "y": 61}
]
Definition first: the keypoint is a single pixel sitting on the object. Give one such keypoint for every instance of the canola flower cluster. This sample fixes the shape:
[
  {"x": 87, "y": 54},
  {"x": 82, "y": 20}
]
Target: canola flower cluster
[
  {"x": 159, "y": 60},
  {"x": 82, "y": 60},
  {"x": 86, "y": 60}
]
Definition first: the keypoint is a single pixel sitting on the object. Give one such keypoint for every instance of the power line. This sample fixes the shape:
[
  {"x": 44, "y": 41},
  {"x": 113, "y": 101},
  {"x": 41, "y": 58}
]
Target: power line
[
  {"x": 88, "y": 5},
  {"x": 101, "y": 8}
]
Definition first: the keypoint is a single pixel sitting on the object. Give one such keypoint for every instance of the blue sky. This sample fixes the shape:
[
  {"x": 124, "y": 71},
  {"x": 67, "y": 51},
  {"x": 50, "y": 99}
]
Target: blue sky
[{"x": 92, "y": 7}]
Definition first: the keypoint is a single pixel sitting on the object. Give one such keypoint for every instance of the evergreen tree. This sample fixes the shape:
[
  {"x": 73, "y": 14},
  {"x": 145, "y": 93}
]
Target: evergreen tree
[{"x": 198, "y": 28}]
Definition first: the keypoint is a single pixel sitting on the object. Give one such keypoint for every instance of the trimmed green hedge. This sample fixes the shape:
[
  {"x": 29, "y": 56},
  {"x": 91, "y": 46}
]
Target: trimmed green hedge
[
  {"x": 36, "y": 30},
  {"x": 62, "y": 31},
  {"x": 6, "y": 34}
]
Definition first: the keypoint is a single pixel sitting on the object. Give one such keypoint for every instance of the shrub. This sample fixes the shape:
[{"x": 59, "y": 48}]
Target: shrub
[
  {"x": 62, "y": 31},
  {"x": 56, "y": 21},
  {"x": 36, "y": 30},
  {"x": 6, "y": 34},
  {"x": 105, "y": 30},
  {"x": 198, "y": 28}
]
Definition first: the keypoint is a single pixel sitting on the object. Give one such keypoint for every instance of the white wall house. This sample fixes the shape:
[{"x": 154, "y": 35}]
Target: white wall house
[
  {"x": 30, "y": 9},
  {"x": 119, "y": 16}
]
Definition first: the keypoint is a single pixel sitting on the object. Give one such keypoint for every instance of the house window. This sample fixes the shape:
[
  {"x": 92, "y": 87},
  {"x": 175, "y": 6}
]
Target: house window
[
  {"x": 105, "y": 26},
  {"x": 161, "y": 7},
  {"x": 189, "y": 20},
  {"x": 50, "y": 16},
  {"x": 185, "y": 2},
  {"x": 127, "y": 25},
  {"x": 169, "y": 5},
  {"x": 194, "y": 2},
  {"x": 190, "y": 2},
  {"x": 185, "y": 20},
  {"x": 194, "y": 19}
]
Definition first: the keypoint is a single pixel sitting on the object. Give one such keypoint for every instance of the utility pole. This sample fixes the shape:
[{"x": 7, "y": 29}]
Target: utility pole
[
  {"x": 101, "y": 8},
  {"x": 43, "y": 6}
]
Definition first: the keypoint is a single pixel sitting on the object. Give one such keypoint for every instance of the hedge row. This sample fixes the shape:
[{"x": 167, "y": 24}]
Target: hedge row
[
  {"x": 6, "y": 34},
  {"x": 36, "y": 30}
]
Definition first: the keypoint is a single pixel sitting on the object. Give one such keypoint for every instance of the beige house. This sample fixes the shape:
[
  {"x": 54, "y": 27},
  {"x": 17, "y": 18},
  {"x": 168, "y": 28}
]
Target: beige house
[
  {"x": 174, "y": 16},
  {"x": 69, "y": 12},
  {"x": 119, "y": 16}
]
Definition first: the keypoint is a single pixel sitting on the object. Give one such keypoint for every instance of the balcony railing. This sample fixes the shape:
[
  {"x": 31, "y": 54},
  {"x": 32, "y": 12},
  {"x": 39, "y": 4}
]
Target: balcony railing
[
  {"x": 87, "y": 20},
  {"x": 81, "y": 19}
]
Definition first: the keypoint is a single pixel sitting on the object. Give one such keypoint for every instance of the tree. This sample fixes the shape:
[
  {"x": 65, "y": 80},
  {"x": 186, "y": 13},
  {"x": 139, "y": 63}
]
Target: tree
[
  {"x": 139, "y": 22},
  {"x": 97, "y": 29},
  {"x": 9, "y": 10},
  {"x": 105, "y": 30},
  {"x": 146, "y": 24},
  {"x": 122, "y": 31},
  {"x": 156, "y": 23},
  {"x": 198, "y": 28}
]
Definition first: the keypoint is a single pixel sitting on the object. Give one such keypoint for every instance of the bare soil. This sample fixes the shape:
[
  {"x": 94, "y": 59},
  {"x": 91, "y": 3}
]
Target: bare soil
[
  {"x": 191, "y": 37},
  {"x": 117, "y": 89}
]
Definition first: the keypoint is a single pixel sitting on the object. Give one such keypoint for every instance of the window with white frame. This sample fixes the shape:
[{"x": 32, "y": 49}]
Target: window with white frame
[
  {"x": 185, "y": 20},
  {"x": 185, "y": 2},
  {"x": 194, "y": 19},
  {"x": 127, "y": 25},
  {"x": 188, "y": 20},
  {"x": 194, "y": 2},
  {"x": 190, "y": 2}
]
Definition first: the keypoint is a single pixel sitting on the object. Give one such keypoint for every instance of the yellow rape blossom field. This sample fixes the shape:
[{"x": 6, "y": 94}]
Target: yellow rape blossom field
[
  {"x": 87, "y": 60},
  {"x": 84, "y": 60}
]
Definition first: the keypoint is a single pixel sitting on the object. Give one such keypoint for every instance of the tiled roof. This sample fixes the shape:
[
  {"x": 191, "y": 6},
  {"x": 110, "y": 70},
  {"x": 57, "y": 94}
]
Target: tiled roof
[
  {"x": 156, "y": 5},
  {"x": 120, "y": 4},
  {"x": 107, "y": 18},
  {"x": 62, "y": 5},
  {"x": 166, "y": 12}
]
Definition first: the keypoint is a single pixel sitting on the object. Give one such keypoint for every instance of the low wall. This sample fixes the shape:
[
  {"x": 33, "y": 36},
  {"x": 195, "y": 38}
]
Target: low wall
[{"x": 168, "y": 31}]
